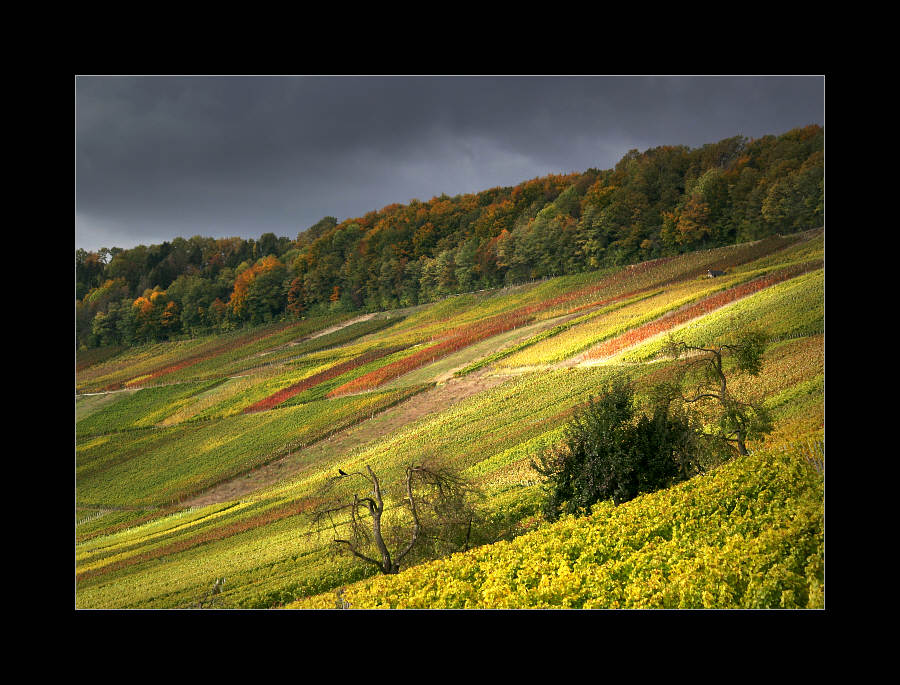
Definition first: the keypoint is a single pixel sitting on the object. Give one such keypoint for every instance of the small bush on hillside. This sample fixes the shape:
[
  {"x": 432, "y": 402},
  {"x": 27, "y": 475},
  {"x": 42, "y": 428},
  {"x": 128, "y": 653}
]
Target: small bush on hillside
[{"x": 613, "y": 452}]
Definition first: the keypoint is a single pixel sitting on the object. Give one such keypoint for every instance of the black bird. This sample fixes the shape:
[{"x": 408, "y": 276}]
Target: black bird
[{"x": 341, "y": 472}]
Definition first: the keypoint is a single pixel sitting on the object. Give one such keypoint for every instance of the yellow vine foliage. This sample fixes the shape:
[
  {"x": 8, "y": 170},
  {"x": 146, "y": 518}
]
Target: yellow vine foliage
[{"x": 750, "y": 534}]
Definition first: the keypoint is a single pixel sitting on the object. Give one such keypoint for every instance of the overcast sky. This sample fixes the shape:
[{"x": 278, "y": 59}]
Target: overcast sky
[{"x": 160, "y": 157}]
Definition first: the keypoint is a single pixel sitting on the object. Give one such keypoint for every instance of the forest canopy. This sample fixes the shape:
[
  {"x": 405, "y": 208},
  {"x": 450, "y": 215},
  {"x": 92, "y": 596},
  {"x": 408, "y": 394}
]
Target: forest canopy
[{"x": 664, "y": 201}]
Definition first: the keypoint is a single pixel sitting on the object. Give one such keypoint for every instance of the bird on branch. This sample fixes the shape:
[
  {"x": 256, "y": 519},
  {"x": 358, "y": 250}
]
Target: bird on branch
[{"x": 340, "y": 471}]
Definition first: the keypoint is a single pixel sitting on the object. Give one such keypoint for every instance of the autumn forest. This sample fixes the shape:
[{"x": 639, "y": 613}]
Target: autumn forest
[{"x": 661, "y": 202}]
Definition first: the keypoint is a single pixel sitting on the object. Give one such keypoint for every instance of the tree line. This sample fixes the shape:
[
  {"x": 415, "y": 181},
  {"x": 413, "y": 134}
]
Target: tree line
[{"x": 664, "y": 201}]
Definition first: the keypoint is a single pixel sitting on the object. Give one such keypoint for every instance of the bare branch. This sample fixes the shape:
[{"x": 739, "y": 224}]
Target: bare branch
[
  {"x": 417, "y": 526},
  {"x": 358, "y": 554},
  {"x": 705, "y": 396}
]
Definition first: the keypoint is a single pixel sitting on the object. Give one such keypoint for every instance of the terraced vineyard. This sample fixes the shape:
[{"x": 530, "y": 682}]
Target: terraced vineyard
[{"x": 483, "y": 382}]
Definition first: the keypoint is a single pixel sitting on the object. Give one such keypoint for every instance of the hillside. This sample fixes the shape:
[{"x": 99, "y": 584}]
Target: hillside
[
  {"x": 749, "y": 535},
  {"x": 654, "y": 204},
  {"x": 196, "y": 459}
]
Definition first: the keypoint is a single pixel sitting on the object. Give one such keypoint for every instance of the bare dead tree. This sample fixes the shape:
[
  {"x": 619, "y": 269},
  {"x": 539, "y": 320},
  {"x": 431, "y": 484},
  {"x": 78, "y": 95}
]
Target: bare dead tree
[
  {"x": 432, "y": 513},
  {"x": 736, "y": 420}
]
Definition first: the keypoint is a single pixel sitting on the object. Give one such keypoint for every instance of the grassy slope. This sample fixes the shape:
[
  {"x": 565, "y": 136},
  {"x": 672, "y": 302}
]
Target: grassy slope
[
  {"x": 749, "y": 534},
  {"x": 163, "y": 466},
  {"x": 264, "y": 546}
]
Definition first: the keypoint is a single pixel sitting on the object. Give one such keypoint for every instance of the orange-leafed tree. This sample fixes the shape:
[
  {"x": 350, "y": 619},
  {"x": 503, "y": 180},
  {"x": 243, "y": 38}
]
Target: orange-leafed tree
[
  {"x": 687, "y": 224},
  {"x": 258, "y": 293},
  {"x": 169, "y": 319},
  {"x": 155, "y": 315},
  {"x": 296, "y": 297}
]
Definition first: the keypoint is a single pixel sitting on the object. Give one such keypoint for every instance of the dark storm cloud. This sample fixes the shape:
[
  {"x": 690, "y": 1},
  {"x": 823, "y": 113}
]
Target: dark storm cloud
[{"x": 158, "y": 157}]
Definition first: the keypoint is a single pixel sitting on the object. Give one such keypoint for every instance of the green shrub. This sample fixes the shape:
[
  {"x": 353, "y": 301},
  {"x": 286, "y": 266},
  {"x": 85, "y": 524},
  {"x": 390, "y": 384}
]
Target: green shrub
[{"x": 611, "y": 452}]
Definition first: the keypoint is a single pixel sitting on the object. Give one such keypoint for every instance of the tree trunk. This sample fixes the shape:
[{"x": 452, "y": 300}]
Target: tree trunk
[
  {"x": 386, "y": 563},
  {"x": 376, "y": 509}
]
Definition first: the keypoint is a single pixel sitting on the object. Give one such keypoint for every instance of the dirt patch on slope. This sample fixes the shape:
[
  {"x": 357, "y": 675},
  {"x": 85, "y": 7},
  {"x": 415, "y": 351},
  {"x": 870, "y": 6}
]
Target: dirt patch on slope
[
  {"x": 337, "y": 327},
  {"x": 389, "y": 421}
]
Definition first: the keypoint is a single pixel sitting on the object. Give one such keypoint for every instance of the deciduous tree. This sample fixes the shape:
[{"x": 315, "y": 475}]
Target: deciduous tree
[
  {"x": 703, "y": 379},
  {"x": 433, "y": 513}
]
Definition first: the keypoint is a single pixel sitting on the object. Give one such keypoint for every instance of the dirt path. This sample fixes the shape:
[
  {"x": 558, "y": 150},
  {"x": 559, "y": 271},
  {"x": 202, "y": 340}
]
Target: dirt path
[
  {"x": 406, "y": 311},
  {"x": 450, "y": 390},
  {"x": 336, "y": 327},
  {"x": 383, "y": 424}
]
